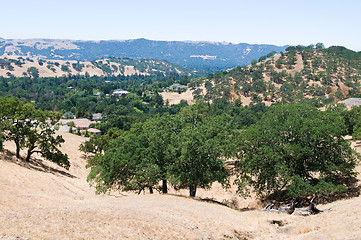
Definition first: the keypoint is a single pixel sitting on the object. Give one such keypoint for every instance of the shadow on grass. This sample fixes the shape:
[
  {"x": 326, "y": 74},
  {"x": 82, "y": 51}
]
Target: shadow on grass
[
  {"x": 225, "y": 203},
  {"x": 34, "y": 164},
  {"x": 353, "y": 190}
]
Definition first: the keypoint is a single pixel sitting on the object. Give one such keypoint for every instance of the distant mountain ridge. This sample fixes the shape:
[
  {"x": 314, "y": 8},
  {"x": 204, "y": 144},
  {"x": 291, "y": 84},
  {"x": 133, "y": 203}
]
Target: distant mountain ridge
[{"x": 194, "y": 55}]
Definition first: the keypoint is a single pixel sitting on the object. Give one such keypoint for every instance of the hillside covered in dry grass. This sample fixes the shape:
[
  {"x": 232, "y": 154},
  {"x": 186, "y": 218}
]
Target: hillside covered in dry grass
[
  {"x": 21, "y": 66},
  {"x": 40, "y": 200},
  {"x": 301, "y": 74}
]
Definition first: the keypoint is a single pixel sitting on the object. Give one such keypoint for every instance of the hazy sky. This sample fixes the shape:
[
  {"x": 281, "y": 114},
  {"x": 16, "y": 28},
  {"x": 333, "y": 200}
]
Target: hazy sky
[{"x": 274, "y": 22}]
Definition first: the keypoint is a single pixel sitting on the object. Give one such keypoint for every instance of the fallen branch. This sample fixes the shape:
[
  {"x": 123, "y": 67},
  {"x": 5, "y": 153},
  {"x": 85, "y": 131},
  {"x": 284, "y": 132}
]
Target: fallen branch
[{"x": 291, "y": 208}]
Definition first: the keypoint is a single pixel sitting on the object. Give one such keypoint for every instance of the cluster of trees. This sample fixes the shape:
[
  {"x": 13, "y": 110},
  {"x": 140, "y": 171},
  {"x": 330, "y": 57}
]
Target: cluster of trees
[
  {"x": 30, "y": 129},
  {"x": 185, "y": 149},
  {"x": 293, "y": 150},
  {"x": 76, "y": 93}
]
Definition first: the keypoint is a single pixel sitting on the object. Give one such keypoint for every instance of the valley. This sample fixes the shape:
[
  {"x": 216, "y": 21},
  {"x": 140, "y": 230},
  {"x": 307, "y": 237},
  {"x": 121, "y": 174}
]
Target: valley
[{"x": 168, "y": 119}]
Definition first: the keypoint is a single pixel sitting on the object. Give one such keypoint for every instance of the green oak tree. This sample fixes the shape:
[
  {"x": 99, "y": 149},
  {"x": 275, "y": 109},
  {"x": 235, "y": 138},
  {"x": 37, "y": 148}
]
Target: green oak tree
[
  {"x": 186, "y": 149},
  {"x": 32, "y": 130},
  {"x": 120, "y": 167},
  {"x": 295, "y": 148},
  {"x": 161, "y": 134},
  {"x": 204, "y": 145},
  {"x": 138, "y": 159}
]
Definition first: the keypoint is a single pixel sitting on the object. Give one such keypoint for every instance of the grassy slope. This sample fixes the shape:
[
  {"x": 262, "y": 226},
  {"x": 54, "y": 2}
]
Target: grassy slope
[
  {"x": 42, "y": 201},
  {"x": 292, "y": 76},
  {"x": 101, "y": 67}
]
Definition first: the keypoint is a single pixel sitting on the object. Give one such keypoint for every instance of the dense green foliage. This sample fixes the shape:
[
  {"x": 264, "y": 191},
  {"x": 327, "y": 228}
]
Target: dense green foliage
[
  {"x": 185, "y": 149},
  {"x": 203, "y": 143},
  {"x": 294, "y": 150},
  {"x": 297, "y": 149},
  {"x": 75, "y": 95},
  {"x": 32, "y": 130}
]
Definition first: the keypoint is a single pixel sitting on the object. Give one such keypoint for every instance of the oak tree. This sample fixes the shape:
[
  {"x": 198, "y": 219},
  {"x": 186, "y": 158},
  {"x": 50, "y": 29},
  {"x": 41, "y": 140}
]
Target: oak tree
[{"x": 295, "y": 148}]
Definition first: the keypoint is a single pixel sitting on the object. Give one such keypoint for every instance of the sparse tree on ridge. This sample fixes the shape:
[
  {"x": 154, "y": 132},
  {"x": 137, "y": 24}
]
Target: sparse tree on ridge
[{"x": 320, "y": 46}]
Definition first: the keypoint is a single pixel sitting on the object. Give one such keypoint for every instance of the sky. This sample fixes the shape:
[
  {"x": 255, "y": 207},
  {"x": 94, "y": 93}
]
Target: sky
[{"x": 277, "y": 22}]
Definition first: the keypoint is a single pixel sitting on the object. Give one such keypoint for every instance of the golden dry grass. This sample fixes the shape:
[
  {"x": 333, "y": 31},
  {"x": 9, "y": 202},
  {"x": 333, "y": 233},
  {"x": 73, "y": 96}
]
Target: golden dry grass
[
  {"x": 42, "y": 201},
  {"x": 45, "y": 72},
  {"x": 175, "y": 97}
]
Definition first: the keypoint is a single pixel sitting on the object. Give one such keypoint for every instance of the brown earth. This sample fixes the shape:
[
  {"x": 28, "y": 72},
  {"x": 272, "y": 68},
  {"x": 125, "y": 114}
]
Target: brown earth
[
  {"x": 40, "y": 200},
  {"x": 175, "y": 97}
]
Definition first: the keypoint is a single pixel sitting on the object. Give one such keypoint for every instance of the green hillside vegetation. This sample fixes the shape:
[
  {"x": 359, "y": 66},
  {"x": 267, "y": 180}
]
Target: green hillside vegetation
[{"x": 310, "y": 74}]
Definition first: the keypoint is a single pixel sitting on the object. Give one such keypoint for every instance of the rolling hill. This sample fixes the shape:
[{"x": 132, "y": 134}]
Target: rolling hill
[
  {"x": 18, "y": 66},
  {"x": 199, "y": 56},
  {"x": 40, "y": 200},
  {"x": 316, "y": 75}
]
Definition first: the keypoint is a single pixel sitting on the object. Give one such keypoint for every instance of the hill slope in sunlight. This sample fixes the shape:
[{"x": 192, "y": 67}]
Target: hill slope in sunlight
[{"x": 40, "y": 200}]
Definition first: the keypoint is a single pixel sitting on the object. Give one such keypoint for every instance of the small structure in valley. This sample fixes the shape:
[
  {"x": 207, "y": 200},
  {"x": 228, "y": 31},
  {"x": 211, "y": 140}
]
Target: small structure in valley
[
  {"x": 97, "y": 94},
  {"x": 352, "y": 102},
  {"x": 97, "y": 116},
  {"x": 94, "y": 131},
  {"x": 177, "y": 86},
  {"x": 120, "y": 93},
  {"x": 79, "y": 123}
]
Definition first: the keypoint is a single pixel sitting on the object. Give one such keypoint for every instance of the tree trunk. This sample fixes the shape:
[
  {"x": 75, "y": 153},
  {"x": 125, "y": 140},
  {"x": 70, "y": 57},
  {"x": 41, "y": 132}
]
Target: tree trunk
[
  {"x": 17, "y": 149},
  {"x": 30, "y": 152},
  {"x": 164, "y": 186},
  {"x": 27, "y": 159},
  {"x": 192, "y": 190},
  {"x": 151, "y": 190}
]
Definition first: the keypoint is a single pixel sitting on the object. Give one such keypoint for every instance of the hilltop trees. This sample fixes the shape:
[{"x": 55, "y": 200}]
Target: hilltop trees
[
  {"x": 33, "y": 72},
  {"x": 297, "y": 149},
  {"x": 30, "y": 129},
  {"x": 300, "y": 73}
]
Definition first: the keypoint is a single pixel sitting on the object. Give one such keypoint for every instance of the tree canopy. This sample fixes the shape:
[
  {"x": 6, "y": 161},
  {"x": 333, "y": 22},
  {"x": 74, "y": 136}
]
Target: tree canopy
[
  {"x": 187, "y": 149},
  {"x": 32, "y": 130},
  {"x": 295, "y": 148},
  {"x": 203, "y": 145}
]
